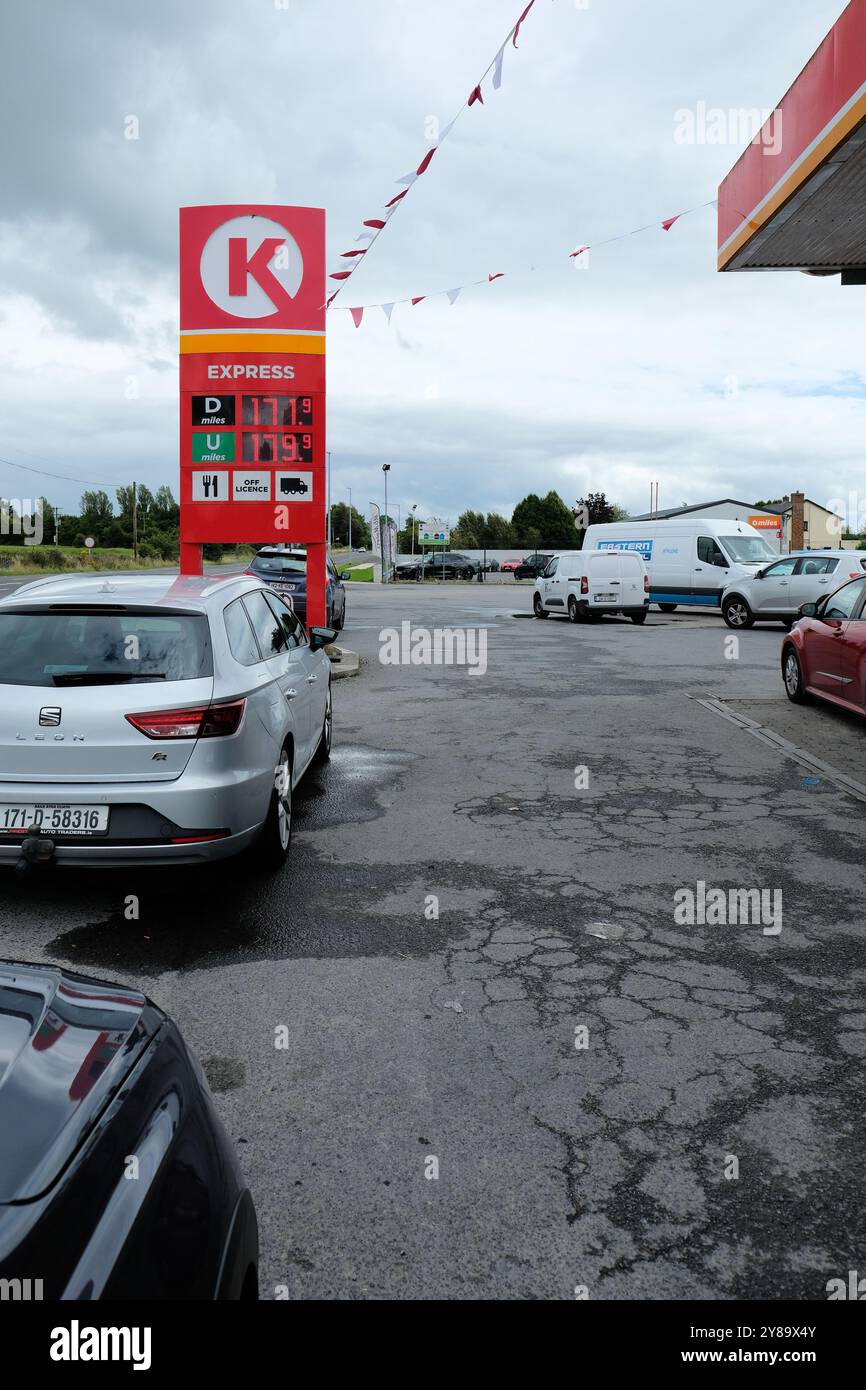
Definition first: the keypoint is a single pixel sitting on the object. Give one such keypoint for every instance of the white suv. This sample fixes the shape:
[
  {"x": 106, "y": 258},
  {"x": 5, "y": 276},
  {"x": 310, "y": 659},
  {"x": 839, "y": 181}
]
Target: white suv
[{"x": 776, "y": 592}]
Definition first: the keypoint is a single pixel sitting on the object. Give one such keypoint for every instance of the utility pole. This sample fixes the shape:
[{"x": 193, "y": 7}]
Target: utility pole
[
  {"x": 350, "y": 520},
  {"x": 135, "y": 521}
]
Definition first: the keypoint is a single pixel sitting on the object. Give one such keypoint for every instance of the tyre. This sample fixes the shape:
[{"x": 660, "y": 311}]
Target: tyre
[
  {"x": 737, "y": 613},
  {"x": 538, "y": 607},
  {"x": 668, "y": 607},
  {"x": 573, "y": 610},
  {"x": 793, "y": 677},
  {"x": 639, "y": 618},
  {"x": 323, "y": 751},
  {"x": 275, "y": 838}
]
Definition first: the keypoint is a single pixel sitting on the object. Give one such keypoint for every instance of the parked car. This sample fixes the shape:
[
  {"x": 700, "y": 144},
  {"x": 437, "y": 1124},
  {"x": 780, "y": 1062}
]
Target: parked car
[
  {"x": 510, "y": 565},
  {"x": 777, "y": 591},
  {"x": 94, "y": 1075},
  {"x": 149, "y": 719},
  {"x": 689, "y": 561},
  {"x": 532, "y": 566},
  {"x": 824, "y": 654},
  {"x": 586, "y": 585},
  {"x": 446, "y": 564},
  {"x": 285, "y": 570},
  {"x": 487, "y": 566}
]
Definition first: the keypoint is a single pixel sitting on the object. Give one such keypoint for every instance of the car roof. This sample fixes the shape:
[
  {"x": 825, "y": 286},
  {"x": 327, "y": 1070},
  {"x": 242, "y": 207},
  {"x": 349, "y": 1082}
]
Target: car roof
[{"x": 149, "y": 590}]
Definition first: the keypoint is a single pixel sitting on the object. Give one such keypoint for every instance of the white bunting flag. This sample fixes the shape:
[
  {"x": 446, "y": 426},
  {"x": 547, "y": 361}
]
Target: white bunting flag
[
  {"x": 497, "y": 71},
  {"x": 387, "y": 310},
  {"x": 453, "y": 295}
]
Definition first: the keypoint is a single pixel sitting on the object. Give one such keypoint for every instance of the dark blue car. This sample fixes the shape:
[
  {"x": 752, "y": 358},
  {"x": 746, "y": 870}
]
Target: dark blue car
[{"x": 285, "y": 570}]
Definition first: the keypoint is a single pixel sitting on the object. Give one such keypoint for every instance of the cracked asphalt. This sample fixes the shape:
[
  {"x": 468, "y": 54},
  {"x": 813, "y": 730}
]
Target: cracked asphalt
[{"x": 615, "y": 1102}]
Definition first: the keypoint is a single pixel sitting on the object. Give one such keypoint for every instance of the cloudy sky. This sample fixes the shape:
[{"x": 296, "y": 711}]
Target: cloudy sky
[{"x": 647, "y": 365}]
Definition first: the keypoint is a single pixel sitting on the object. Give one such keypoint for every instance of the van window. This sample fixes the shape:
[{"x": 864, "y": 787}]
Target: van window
[
  {"x": 748, "y": 550},
  {"x": 552, "y": 567},
  {"x": 710, "y": 553}
]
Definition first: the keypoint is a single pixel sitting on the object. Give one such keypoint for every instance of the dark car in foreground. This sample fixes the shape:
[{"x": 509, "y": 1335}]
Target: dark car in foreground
[
  {"x": 117, "y": 1180},
  {"x": 824, "y": 654},
  {"x": 447, "y": 564},
  {"x": 284, "y": 568},
  {"x": 532, "y": 566}
]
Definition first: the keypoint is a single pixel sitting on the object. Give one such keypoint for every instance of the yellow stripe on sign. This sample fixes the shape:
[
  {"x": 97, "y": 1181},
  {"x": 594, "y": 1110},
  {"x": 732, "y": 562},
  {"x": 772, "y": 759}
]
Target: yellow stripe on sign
[{"x": 289, "y": 343}]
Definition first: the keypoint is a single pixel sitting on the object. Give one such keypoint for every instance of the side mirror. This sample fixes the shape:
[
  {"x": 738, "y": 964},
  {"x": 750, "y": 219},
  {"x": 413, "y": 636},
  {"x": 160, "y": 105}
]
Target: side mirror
[
  {"x": 808, "y": 610},
  {"x": 346, "y": 574},
  {"x": 321, "y": 637}
]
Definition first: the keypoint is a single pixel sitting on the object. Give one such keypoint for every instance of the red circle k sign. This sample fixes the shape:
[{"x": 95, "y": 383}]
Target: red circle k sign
[{"x": 252, "y": 266}]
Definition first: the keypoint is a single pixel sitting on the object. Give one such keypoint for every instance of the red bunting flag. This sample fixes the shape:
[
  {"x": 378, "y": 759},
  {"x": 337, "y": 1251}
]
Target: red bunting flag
[
  {"x": 669, "y": 222},
  {"x": 397, "y": 198},
  {"x": 425, "y": 162},
  {"x": 418, "y": 298},
  {"x": 475, "y": 95},
  {"x": 375, "y": 222},
  {"x": 346, "y": 254},
  {"x": 579, "y": 252},
  {"x": 357, "y": 315},
  {"x": 331, "y": 299},
  {"x": 521, "y": 19},
  {"x": 340, "y": 274},
  {"x": 498, "y": 276}
]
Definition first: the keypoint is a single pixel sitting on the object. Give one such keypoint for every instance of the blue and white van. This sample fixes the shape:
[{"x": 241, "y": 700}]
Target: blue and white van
[{"x": 690, "y": 562}]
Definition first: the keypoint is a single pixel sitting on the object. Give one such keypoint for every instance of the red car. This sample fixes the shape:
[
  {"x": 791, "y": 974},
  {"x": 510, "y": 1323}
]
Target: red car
[
  {"x": 511, "y": 564},
  {"x": 825, "y": 652}
]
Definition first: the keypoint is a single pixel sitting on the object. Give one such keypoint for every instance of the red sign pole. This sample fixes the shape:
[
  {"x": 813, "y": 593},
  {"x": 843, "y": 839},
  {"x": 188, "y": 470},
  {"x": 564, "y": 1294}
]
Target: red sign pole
[{"x": 252, "y": 384}]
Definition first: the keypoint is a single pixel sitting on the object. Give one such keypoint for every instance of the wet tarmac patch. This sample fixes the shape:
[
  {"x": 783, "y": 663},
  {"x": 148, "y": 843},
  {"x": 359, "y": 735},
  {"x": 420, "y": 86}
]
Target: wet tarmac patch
[{"x": 224, "y": 1073}]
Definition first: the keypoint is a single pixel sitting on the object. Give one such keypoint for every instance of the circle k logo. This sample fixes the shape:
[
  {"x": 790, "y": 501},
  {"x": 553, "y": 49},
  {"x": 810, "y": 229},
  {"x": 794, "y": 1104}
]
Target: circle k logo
[
  {"x": 259, "y": 267},
  {"x": 251, "y": 266}
]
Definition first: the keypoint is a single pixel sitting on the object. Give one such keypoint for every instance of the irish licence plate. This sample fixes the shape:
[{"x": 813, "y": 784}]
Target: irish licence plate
[
  {"x": 604, "y": 598},
  {"x": 18, "y": 818}
]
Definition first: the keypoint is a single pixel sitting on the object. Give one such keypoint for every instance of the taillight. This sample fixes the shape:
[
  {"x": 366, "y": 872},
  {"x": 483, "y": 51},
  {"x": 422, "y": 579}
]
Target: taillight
[
  {"x": 584, "y": 584},
  {"x": 202, "y": 721},
  {"x": 646, "y": 583},
  {"x": 856, "y": 574}
]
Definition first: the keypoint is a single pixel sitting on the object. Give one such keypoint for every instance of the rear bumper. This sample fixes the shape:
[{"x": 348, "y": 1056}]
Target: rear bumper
[
  {"x": 101, "y": 854},
  {"x": 146, "y": 820}
]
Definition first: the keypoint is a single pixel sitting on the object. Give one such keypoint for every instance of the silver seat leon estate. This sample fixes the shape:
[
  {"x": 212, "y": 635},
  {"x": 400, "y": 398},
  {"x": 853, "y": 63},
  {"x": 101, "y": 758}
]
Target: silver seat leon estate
[{"x": 155, "y": 719}]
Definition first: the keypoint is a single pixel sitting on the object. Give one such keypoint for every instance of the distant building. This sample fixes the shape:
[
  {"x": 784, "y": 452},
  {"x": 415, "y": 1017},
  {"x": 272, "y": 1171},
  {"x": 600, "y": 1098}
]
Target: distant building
[{"x": 822, "y": 529}]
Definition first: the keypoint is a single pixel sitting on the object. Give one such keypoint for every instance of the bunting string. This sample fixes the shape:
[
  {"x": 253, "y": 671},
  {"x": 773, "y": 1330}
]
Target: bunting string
[
  {"x": 378, "y": 224},
  {"x": 665, "y": 225}
]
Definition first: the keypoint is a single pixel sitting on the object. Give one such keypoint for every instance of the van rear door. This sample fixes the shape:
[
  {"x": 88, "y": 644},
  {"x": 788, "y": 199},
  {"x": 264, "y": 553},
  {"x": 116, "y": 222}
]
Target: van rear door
[
  {"x": 604, "y": 572},
  {"x": 632, "y": 572}
]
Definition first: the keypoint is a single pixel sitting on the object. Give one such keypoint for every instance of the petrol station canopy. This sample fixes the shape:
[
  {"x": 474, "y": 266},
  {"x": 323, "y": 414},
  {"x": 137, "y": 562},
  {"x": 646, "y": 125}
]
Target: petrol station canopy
[{"x": 796, "y": 199}]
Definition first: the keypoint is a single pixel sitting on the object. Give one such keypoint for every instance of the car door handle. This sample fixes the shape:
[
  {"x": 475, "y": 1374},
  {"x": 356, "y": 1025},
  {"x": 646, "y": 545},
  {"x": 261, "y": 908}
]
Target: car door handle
[
  {"x": 290, "y": 694},
  {"x": 311, "y": 679}
]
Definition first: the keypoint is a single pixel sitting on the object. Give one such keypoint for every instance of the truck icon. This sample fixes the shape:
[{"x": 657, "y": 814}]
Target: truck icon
[{"x": 292, "y": 486}]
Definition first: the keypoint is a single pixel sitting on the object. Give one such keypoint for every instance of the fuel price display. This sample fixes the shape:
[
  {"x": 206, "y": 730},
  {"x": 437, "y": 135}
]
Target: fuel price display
[
  {"x": 277, "y": 410},
  {"x": 276, "y": 446}
]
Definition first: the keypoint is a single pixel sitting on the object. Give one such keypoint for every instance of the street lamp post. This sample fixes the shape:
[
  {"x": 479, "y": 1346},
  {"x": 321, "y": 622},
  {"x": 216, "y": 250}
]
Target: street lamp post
[
  {"x": 386, "y": 469},
  {"x": 350, "y": 520}
]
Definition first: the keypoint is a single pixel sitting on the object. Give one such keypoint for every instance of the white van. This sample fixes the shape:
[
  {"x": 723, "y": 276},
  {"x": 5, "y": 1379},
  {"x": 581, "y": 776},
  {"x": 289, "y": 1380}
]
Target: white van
[
  {"x": 690, "y": 561},
  {"x": 586, "y": 584}
]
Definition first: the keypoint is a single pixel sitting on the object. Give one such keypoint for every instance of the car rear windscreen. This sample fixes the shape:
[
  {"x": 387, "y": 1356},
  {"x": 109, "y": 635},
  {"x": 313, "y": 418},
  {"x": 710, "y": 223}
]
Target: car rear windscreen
[
  {"x": 84, "y": 647},
  {"x": 279, "y": 564}
]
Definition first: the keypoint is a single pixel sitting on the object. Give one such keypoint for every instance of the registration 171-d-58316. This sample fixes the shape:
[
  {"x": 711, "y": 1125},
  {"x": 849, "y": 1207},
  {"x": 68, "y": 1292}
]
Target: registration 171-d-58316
[{"x": 58, "y": 820}]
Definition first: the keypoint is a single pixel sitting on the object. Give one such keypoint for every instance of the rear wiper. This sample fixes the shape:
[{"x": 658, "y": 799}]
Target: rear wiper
[{"x": 107, "y": 677}]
